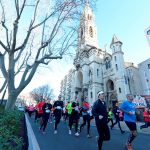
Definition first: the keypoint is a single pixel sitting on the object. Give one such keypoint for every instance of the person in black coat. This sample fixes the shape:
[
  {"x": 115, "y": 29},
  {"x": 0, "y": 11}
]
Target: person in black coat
[
  {"x": 58, "y": 107},
  {"x": 100, "y": 114}
]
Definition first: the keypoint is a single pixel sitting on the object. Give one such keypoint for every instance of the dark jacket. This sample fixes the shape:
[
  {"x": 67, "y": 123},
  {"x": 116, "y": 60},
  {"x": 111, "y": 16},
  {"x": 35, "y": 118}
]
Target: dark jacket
[
  {"x": 99, "y": 108},
  {"x": 56, "y": 110},
  {"x": 116, "y": 111},
  {"x": 46, "y": 109},
  {"x": 75, "y": 114}
]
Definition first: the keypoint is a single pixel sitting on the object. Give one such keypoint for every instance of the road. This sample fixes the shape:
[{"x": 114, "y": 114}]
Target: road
[{"x": 64, "y": 141}]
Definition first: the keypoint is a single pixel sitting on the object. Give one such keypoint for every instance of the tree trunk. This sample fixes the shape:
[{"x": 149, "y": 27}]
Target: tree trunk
[{"x": 11, "y": 101}]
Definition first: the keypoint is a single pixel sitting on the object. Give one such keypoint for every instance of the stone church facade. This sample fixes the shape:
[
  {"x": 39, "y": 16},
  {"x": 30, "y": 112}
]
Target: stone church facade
[{"x": 95, "y": 69}]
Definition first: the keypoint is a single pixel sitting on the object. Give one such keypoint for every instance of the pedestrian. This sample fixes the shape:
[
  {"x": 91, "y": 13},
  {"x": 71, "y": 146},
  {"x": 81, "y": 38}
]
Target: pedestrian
[
  {"x": 86, "y": 116},
  {"x": 110, "y": 116},
  {"x": 99, "y": 111},
  {"x": 129, "y": 109},
  {"x": 116, "y": 111},
  {"x": 146, "y": 116},
  {"x": 46, "y": 113},
  {"x": 58, "y": 107}
]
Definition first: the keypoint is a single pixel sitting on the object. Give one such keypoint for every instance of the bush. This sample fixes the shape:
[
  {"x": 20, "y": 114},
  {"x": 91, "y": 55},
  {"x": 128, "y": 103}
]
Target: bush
[{"x": 10, "y": 129}]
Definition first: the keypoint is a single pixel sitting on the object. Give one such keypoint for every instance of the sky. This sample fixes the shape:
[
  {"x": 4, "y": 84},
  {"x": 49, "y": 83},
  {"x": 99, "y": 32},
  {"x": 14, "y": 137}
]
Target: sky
[{"x": 127, "y": 19}]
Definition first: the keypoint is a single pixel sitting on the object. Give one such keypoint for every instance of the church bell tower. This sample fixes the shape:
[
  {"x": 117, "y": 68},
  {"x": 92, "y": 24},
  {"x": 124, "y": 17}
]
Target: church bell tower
[{"x": 87, "y": 34}]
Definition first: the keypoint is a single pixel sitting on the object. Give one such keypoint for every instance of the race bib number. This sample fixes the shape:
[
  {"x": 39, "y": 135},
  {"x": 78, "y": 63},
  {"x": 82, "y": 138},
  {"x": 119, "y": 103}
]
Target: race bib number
[{"x": 47, "y": 111}]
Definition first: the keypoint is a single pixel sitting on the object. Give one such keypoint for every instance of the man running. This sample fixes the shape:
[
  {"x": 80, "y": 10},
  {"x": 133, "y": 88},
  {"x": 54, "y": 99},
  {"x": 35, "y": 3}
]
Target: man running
[
  {"x": 128, "y": 108},
  {"x": 58, "y": 106},
  {"x": 99, "y": 111},
  {"x": 74, "y": 118},
  {"x": 46, "y": 113}
]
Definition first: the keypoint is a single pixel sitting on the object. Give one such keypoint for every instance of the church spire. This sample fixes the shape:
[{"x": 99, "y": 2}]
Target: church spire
[
  {"x": 87, "y": 31},
  {"x": 86, "y": 2}
]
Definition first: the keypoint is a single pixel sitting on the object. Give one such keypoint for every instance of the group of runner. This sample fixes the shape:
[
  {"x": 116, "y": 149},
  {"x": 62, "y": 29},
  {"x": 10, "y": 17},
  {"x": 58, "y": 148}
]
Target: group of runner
[{"x": 72, "y": 112}]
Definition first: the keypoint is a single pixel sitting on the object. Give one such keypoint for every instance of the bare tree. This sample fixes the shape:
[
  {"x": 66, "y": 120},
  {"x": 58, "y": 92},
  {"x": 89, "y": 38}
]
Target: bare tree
[
  {"x": 42, "y": 92},
  {"x": 33, "y": 34}
]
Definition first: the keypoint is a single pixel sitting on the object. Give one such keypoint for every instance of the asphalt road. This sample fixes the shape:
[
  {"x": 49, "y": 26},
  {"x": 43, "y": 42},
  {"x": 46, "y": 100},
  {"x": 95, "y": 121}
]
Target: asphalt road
[{"x": 63, "y": 141}]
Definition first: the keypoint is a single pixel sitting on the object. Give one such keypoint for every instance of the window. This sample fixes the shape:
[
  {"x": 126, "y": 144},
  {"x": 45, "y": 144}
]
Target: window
[
  {"x": 148, "y": 66},
  {"x": 116, "y": 67},
  {"x": 81, "y": 33},
  {"x": 148, "y": 32},
  {"x": 97, "y": 72},
  {"x": 91, "y": 95},
  {"x": 90, "y": 75},
  {"x": 115, "y": 58},
  {"x": 119, "y": 90},
  {"x": 91, "y": 32},
  {"x": 107, "y": 63}
]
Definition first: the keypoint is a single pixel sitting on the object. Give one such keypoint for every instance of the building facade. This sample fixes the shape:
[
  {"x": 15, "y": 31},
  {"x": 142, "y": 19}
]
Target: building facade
[
  {"x": 144, "y": 71},
  {"x": 95, "y": 69}
]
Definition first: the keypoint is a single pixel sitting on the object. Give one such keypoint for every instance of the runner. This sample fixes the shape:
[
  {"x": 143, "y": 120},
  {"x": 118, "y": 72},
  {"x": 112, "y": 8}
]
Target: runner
[
  {"x": 110, "y": 116},
  {"x": 99, "y": 111},
  {"x": 86, "y": 116},
  {"x": 39, "y": 113},
  {"x": 74, "y": 118},
  {"x": 58, "y": 106},
  {"x": 46, "y": 113},
  {"x": 116, "y": 112},
  {"x": 128, "y": 108},
  {"x": 146, "y": 116}
]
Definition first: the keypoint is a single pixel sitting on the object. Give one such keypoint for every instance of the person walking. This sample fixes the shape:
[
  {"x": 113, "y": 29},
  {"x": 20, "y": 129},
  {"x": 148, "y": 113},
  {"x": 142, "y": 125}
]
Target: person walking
[
  {"x": 116, "y": 111},
  {"x": 146, "y": 116},
  {"x": 58, "y": 107},
  {"x": 129, "y": 109},
  {"x": 86, "y": 116},
  {"x": 100, "y": 114}
]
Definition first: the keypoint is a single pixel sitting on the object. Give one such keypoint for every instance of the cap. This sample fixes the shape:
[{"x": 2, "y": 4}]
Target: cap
[{"x": 100, "y": 92}]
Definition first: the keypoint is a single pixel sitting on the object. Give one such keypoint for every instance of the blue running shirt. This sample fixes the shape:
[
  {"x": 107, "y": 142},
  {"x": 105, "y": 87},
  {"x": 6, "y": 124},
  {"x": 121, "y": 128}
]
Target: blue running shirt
[{"x": 129, "y": 106}]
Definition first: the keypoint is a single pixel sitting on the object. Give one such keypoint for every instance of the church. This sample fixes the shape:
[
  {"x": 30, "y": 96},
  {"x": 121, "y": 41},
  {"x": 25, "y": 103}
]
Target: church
[{"x": 95, "y": 69}]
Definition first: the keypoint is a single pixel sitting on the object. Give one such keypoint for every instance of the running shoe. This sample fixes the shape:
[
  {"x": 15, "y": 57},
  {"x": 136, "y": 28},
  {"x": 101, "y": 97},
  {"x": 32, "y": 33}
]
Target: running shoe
[
  {"x": 128, "y": 146},
  {"x": 89, "y": 136},
  {"x": 70, "y": 132},
  {"x": 77, "y": 134},
  {"x": 55, "y": 132}
]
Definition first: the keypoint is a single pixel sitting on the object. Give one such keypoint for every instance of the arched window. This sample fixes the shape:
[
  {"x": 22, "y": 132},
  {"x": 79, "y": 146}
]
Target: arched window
[
  {"x": 116, "y": 67},
  {"x": 97, "y": 72},
  {"x": 91, "y": 95},
  {"x": 107, "y": 63},
  {"x": 119, "y": 90},
  {"x": 91, "y": 32}
]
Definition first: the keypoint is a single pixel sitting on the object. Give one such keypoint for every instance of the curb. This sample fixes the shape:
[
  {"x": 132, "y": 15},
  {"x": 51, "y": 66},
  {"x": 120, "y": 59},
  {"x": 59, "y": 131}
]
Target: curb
[{"x": 33, "y": 144}]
